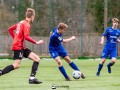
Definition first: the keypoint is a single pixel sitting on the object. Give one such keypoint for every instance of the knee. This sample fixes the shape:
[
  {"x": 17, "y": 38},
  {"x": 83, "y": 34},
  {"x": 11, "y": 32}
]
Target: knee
[
  {"x": 113, "y": 60},
  {"x": 68, "y": 61},
  {"x": 59, "y": 63},
  {"x": 37, "y": 59}
]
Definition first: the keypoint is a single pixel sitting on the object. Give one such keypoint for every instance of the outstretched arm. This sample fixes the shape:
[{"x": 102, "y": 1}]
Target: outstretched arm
[
  {"x": 28, "y": 38},
  {"x": 69, "y": 39}
]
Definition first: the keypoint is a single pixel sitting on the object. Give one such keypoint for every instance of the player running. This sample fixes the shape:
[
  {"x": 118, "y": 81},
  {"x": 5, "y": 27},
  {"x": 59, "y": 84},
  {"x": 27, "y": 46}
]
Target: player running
[
  {"x": 56, "y": 49},
  {"x": 20, "y": 33},
  {"x": 110, "y": 48}
]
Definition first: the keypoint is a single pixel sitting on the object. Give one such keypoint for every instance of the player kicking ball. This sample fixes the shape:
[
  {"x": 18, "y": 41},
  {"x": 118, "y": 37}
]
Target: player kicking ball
[
  {"x": 56, "y": 49},
  {"x": 20, "y": 33},
  {"x": 110, "y": 48}
]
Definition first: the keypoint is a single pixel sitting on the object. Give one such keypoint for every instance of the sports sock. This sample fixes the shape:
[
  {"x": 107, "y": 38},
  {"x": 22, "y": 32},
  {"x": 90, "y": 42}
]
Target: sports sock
[
  {"x": 62, "y": 70},
  {"x": 7, "y": 69},
  {"x": 110, "y": 64},
  {"x": 72, "y": 64},
  {"x": 32, "y": 77},
  {"x": 34, "y": 69},
  {"x": 100, "y": 67}
]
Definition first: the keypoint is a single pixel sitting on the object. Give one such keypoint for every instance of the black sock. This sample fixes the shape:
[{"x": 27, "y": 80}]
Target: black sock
[
  {"x": 7, "y": 69},
  {"x": 34, "y": 68}
]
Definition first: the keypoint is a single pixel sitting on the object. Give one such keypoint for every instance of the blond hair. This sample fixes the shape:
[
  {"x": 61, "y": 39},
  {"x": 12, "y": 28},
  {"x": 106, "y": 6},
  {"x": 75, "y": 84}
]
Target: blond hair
[
  {"x": 30, "y": 12},
  {"x": 62, "y": 26},
  {"x": 115, "y": 20}
]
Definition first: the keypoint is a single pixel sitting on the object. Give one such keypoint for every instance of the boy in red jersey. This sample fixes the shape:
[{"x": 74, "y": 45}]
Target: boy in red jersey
[{"x": 20, "y": 33}]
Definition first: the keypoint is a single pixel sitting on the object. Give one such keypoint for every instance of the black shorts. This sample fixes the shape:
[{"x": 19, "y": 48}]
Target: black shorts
[{"x": 19, "y": 54}]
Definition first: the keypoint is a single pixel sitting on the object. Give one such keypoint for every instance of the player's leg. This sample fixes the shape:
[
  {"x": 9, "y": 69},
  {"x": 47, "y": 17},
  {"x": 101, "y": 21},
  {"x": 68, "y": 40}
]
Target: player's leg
[
  {"x": 28, "y": 53},
  {"x": 111, "y": 64},
  {"x": 61, "y": 68},
  {"x": 64, "y": 54},
  {"x": 17, "y": 57},
  {"x": 105, "y": 53},
  {"x": 113, "y": 56},
  {"x": 54, "y": 54},
  {"x": 100, "y": 66},
  {"x": 73, "y": 65},
  {"x": 9, "y": 68}
]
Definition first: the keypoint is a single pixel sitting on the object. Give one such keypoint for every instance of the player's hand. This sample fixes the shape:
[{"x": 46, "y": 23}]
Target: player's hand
[
  {"x": 118, "y": 40},
  {"x": 73, "y": 37},
  {"x": 40, "y": 42},
  {"x": 101, "y": 43}
]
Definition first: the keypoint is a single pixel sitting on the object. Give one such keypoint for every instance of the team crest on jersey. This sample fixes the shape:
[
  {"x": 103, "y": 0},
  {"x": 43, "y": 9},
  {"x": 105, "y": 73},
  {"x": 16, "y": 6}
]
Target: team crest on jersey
[{"x": 60, "y": 38}]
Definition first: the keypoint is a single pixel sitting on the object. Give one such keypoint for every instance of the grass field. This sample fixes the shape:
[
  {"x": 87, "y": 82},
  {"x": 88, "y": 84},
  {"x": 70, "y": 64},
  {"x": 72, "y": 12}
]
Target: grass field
[{"x": 49, "y": 74}]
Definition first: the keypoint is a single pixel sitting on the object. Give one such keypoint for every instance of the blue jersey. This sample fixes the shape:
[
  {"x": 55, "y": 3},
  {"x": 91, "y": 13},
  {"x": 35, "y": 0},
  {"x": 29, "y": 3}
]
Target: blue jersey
[
  {"x": 55, "y": 39},
  {"x": 55, "y": 45},
  {"x": 111, "y": 37},
  {"x": 111, "y": 42}
]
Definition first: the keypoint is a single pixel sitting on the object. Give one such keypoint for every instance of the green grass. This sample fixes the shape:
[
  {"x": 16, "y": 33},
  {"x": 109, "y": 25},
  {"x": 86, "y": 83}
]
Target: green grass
[{"x": 49, "y": 74}]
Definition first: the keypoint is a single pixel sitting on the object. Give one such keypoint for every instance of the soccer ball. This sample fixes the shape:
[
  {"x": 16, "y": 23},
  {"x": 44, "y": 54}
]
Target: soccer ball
[{"x": 76, "y": 74}]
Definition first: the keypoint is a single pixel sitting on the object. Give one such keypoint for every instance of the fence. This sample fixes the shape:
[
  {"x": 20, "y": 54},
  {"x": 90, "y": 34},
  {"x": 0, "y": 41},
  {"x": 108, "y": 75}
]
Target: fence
[
  {"x": 85, "y": 19},
  {"x": 90, "y": 48}
]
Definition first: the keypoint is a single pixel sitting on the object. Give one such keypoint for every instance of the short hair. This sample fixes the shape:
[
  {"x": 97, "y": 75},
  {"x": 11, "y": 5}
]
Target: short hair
[
  {"x": 115, "y": 20},
  {"x": 62, "y": 26},
  {"x": 30, "y": 12}
]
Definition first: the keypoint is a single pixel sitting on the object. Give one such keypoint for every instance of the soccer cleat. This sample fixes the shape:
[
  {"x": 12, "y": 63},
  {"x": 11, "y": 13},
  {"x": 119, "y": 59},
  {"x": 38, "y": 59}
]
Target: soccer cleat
[
  {"x": 82, "y": 76},
  {"x": 68, "y": 79},
  {"x": 109, "y": 69},
  {"x": 0, "y": 72},
  {"x": 34, "y": 81},
  {"x": 98, "y": 73}
]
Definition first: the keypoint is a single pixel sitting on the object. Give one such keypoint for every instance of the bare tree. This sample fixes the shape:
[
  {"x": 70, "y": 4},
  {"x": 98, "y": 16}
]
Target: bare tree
[
  {"x": 32, "y": 3},
  {"x": 2, "y": 1},
  {"x": 105, "y": 13}
]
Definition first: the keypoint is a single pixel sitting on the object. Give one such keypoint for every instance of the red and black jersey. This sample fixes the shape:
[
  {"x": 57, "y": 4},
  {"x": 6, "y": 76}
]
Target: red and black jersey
[{"x": 20, "y": 32}]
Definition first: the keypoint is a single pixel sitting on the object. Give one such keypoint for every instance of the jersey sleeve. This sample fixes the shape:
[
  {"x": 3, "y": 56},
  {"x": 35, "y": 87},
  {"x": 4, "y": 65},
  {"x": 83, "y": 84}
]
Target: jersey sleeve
[
  {"x": 26, "y": 35},
  {"x": 11, "y": 30},
  {"x": 54, "y": 29},
  {"x": 105, "y": 32},
  {"x": 57, "y": 39}
]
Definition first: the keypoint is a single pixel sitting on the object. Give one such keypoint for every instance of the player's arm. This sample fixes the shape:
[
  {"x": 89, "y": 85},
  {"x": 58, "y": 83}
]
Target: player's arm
[
  {"x": 11, "y": 30},
  {"x": 103, "y": 36},
  {"x": 69, "y": 39},
  {"x": 102, "y": 40},
  {"x": 28, "y": 38},
  {"x": 118, "y": 40},
  {"x": 51, "y": 33}
]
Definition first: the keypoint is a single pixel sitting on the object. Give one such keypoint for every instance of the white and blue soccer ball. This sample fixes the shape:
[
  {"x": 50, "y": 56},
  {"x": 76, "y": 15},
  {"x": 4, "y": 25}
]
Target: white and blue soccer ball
[{"x": 76, "y": 74}]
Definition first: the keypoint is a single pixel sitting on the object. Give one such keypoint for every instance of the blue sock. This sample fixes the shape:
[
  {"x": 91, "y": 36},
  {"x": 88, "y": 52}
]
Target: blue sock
[
  {"x": 100, "y": 67},
  {"x": 110, "y": 64},
  {"x": 72, "y": 64},
  {"x": 62, "y": 70}
]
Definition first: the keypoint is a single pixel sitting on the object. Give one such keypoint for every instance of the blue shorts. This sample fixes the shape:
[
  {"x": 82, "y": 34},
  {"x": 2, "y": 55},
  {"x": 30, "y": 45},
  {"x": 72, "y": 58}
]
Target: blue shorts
[
  {"x": 58, "y": 52},
  {"x": 109, "y": 52}
]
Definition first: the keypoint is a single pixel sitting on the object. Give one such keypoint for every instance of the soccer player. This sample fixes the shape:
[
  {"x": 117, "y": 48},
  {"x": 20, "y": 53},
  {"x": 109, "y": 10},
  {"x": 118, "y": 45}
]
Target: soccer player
[
  {"x": 110, "y": 47},
  {"x": 56, "y": 49},
  {"x": 20, "y": 33}
]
